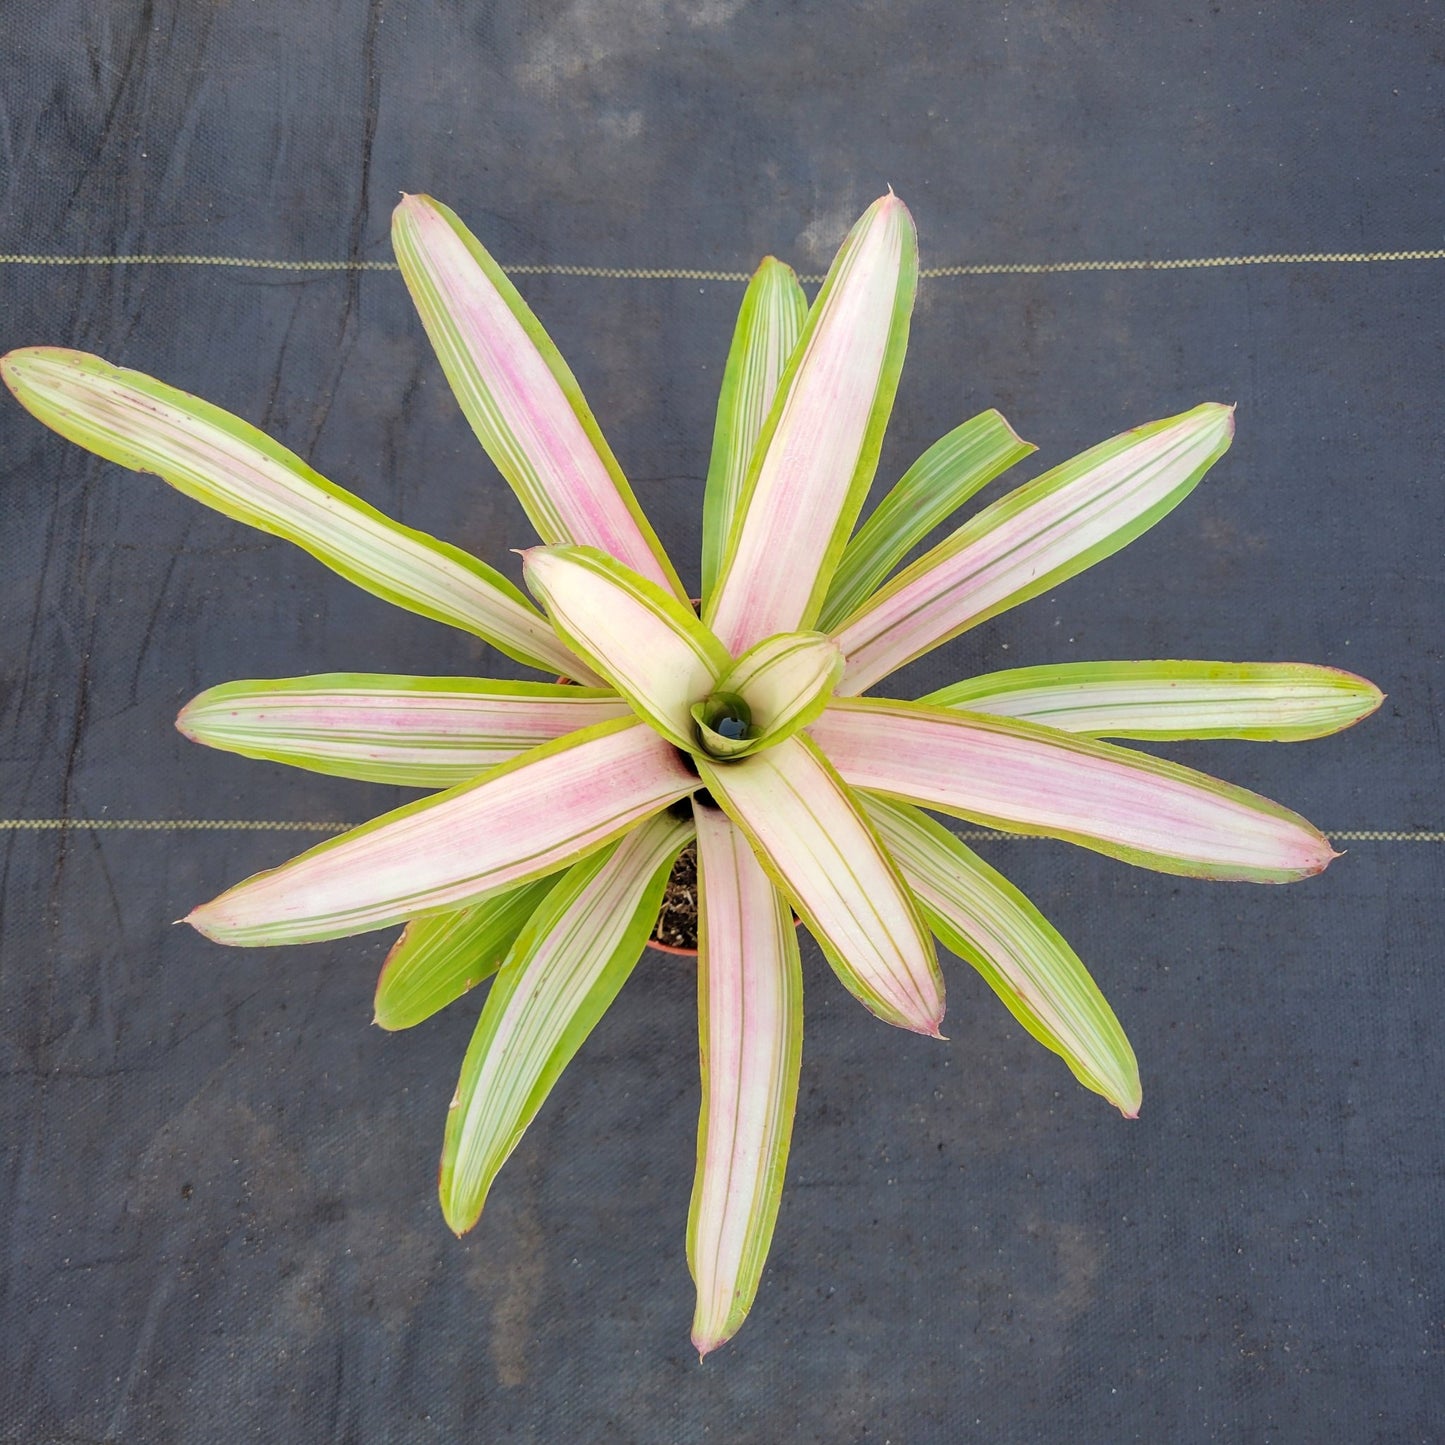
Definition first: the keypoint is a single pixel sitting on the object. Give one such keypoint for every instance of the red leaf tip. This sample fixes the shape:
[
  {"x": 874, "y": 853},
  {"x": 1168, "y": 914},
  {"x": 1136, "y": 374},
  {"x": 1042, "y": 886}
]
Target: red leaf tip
[{"x": 706, "y": 1344}]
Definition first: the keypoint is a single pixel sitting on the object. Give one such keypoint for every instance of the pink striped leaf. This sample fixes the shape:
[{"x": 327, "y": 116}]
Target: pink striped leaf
[
  {"x": 526, "y": 819},
  {"x": 420, "y": 732},
  {"x": 769, "y": 322},
  {"x": 226, "y": 463},
  {"x": 978, "y": 914},
  {"x": 819, "y": 447},
  {"x": 645, "y": 643},
  {"x": 750, "y": 1022},
  {"x": 440, "y": 957},
  {"x": 1161, "y": 701},
  {"x": 814, "y": 842},
  {"x": 1032, "y": 539},
  {"x": 522, "y": 401},
  {"x": 1004, "y": 773},
  {"x": 563, "y": 972}
]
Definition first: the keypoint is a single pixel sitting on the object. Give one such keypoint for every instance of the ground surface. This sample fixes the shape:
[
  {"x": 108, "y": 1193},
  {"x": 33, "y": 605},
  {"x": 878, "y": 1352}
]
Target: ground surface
[{"x": 217, "y": 1188}]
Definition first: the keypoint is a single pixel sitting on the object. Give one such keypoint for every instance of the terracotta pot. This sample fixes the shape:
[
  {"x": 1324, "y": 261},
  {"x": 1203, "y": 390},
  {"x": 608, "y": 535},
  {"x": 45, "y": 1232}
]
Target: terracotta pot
[{"x": 672, "y": 948}]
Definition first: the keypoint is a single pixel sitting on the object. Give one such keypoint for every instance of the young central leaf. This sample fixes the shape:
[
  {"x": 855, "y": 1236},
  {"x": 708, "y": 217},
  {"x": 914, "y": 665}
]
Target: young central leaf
[
  {"x": 768, "y": 694},
  {"x": 646, "y": 644},
  {"x": 724, "y": 725}
]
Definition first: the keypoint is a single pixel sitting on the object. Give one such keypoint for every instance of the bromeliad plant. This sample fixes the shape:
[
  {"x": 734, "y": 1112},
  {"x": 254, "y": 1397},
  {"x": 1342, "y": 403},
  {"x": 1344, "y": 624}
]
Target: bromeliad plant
[{"x": 563, "y": 807}]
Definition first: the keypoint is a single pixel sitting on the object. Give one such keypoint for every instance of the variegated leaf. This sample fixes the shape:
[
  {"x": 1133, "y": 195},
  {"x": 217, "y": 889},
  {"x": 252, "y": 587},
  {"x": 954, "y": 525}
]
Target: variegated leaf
[
  {"x": 1162, "y": 701},
  {"x": 929, "y": 492},
  {"x": 769, "y": 323},
  {"x": 1032, "y": 539},
  {"x": 226, "y": 463},
  {"x": 526, "y": 819},
  {"x": 440, "y": 957},
  {"x": 819, "y": 447},
  {"x": 420, "y": 732},
  {"x": 982, "y": 917},
  {"x": 823, "y": 854},
  {"x": 1003, "y": 773},
  {"x": 783, "y": 684},
  {"x": 648, "y": 645},
  {"x": 562, "y": 974},
  {"x": 750, "y": 1023},
  {"x": 519, "y": 395}
]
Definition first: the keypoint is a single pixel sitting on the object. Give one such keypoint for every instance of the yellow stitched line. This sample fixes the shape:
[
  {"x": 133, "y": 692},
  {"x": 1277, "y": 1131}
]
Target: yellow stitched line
[
  {"x": 1190, "y": 263},
  {"x": 1371, "y": 835},
  {"x": 161, "y": 825},
  {"x": 24, "y": 259},
  {"x": 269, "y": 825},
  {"x": 672, "y": 273},
  {"x": 1358, "y": 835}
]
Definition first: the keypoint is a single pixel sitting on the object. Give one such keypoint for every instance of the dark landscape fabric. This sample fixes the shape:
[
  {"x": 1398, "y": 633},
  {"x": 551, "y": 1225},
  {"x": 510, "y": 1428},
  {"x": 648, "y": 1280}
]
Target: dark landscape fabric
[{"x": 218, "y": 1214}]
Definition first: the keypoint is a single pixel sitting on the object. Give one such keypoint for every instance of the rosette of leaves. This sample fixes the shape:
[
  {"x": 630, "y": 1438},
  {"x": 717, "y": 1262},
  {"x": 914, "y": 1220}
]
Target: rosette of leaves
[{"x": 555, "y": 812}]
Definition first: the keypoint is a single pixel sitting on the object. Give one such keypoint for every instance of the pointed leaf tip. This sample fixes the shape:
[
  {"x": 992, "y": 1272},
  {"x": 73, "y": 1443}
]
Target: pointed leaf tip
[
  {"x": 200, "y": 927},
  {"x": 1004, "y": 773},
  {"x": 750, "y": 1035},
  {"x": 825, "y": 857}
]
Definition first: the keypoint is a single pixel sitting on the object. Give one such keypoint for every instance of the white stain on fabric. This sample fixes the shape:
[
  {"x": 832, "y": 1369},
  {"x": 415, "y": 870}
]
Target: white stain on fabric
[{"x": 588, "y": 33}]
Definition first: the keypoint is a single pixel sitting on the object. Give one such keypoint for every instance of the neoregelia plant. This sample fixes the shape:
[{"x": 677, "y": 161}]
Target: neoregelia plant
[{"x": 544, "y": 856}]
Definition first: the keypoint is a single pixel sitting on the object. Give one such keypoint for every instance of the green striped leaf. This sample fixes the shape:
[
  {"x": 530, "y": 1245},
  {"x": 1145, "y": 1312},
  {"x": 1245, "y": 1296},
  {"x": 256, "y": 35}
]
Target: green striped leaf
[
  {"x": 1277, "y": 702},
  {"x": 1032, "y": 539},
  {"x": 1004, "y": 773},
  {"x": 438, "y": 958},
  {"x": 523, "y": 820},
  {"x": 226, "y": 463},
  {"x": 750, "y": 1028},
  {"x": 778, "y": 687},
  {"x": 824, "y": 856},
  {"x": 769, "y": 324},
  {"x": 565, "y": 969},
  {"x": 643, "y": 641},
  {"x": 818, "y": 450},
  {"x": 978, "y": 914},
  {"x": 929, "y": 492}
]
